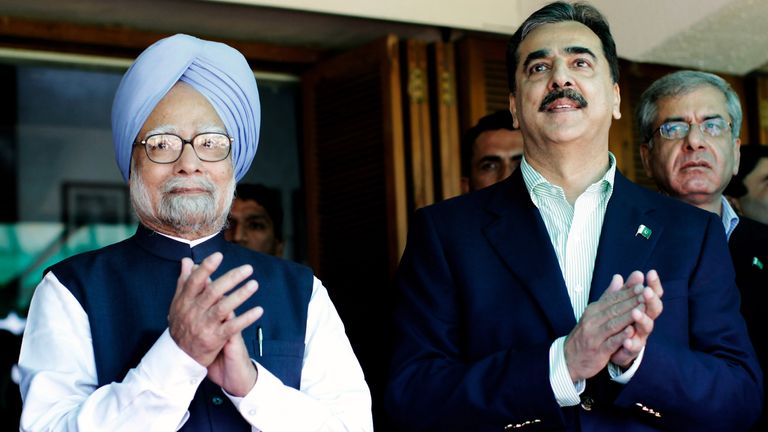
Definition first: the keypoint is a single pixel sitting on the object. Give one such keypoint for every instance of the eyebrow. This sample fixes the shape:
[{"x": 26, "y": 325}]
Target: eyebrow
[
  {"x": 580, "y": 50},
  {"x": 544, "y": 53},
  {"x": 171, "y": 129},
  {"x": 535, "y": 55},
  {"x": 683, "y": 119},
  {"x": 489, "y": 158}
]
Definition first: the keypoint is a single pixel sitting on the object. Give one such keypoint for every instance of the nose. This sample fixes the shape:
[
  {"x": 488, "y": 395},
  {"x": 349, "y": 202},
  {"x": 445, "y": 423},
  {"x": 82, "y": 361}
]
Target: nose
[
  {"x": 506, "y": 170},
  {"x": 695, "y": 139},
  {"x": 560, "y": 75},
  {"x": 188, "y": 162},
  {"x": 240, "y": 233}
]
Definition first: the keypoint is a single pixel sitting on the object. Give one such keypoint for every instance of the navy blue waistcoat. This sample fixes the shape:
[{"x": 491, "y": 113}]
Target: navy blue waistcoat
[{"x": 126, "y": 289}]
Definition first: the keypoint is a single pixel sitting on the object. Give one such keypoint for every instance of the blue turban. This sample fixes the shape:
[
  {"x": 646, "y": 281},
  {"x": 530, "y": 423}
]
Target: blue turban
[{"x": 217, "y": 71}]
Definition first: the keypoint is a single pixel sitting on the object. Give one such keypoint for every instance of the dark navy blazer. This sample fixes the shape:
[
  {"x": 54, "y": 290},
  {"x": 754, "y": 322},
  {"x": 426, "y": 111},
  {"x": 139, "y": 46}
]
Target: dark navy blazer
[
  {"x": 126, "y": 289},
  {"x": 482, "y": 299},
  {"x": 749, "y": 250}
]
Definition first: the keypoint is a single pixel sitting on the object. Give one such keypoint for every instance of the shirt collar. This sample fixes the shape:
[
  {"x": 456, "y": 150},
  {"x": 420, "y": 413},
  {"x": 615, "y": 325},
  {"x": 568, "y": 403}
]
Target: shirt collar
[
  {"x": 730, "y": 218},
  {"x": 191, "y": 243},
  {"x": 537, "y": 184}
]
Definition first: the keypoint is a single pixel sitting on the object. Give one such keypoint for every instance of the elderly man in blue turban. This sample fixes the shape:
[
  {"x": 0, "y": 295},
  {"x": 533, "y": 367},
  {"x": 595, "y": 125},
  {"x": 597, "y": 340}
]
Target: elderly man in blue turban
[{"x": 176, "y": 328}]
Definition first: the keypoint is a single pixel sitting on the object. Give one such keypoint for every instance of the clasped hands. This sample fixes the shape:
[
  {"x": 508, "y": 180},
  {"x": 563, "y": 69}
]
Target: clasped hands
[
  {"x": 203, "y": 323},
  {"x": 616, "y": 327}
]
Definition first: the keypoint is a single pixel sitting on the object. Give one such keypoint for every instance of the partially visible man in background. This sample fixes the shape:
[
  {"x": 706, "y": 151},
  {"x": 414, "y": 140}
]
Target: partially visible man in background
[
  {"x": 256, "y": 219},
  {"x": 690, "y": 123},
  {"x": 748, "y": 189},
  {"x": 490, "y": 151}
]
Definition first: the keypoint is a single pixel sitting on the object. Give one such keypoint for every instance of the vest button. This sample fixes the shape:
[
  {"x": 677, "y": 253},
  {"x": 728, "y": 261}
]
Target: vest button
[
  {"x": 216, "y": 400},
  {"x": 586, "y": 403}
]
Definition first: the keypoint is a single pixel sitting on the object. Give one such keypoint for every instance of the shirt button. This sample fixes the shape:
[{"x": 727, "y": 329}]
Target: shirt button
[
  {"x": 252, "y": 412},
  {"x": 579, "y": 288},
  {"x": 192, "y": 381},
  {"x": 216, "y": 400}
]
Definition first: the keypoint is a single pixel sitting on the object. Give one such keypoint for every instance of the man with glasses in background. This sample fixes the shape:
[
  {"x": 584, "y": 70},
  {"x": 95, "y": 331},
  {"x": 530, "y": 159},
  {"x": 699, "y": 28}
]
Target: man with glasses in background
[
  {"x": 690, "y": 123},
  {"x": 166, "y": 330}
]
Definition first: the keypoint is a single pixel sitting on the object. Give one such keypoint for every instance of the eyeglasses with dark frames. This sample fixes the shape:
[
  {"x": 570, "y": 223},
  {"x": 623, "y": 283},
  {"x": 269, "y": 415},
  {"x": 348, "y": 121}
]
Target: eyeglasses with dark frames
[{"x": 167, "y": 148}]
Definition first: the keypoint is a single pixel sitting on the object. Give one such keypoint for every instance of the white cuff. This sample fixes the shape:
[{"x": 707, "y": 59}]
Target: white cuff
[{"x": 566, "y": 391}]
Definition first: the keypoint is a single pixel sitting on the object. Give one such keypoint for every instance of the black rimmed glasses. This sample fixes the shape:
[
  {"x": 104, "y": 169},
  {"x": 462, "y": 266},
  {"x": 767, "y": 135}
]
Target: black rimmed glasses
[
  {"x": 167, "y": 148},
  {"x": 676, "y": 130}
]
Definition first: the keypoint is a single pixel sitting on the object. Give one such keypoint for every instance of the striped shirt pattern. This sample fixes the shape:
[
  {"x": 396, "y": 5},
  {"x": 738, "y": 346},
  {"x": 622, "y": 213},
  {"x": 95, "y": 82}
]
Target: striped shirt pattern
[{"x": 575, "y": 233}]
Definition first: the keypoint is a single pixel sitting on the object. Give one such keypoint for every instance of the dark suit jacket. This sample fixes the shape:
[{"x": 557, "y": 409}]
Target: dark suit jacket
[
  {"x": 482, "y": 299},
  {"x": 749, "y": 251}
]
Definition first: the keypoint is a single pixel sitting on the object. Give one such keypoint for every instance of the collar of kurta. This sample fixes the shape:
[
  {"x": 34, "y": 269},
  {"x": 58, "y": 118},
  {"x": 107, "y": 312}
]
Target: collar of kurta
[{"x": 170, "y": 249}]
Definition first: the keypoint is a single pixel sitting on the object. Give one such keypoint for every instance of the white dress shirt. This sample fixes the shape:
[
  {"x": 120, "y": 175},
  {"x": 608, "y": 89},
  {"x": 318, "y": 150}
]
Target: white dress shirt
[
  {"x": 575, "y": 234},
  {"x": 60, "y": 392},
  {"x": 729, "y": 217}
]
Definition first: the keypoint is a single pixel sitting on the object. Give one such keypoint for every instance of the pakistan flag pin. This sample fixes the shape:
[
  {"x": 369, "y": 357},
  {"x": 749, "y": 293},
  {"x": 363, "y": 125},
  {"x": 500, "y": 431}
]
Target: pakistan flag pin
[{"x": 643, "y": 231}]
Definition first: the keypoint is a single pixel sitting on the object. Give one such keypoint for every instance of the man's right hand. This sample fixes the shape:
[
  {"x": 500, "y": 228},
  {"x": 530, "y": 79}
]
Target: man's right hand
[
  {"x": 201, "y": 317},
  {"x": 604, "y": 326}
]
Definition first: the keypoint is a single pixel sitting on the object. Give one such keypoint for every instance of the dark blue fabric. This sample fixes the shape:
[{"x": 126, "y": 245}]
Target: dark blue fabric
[
  {"x": 482, "y": 298},
  {"x": 749, "y": 251},
  {"x": 126, "y": 289}
]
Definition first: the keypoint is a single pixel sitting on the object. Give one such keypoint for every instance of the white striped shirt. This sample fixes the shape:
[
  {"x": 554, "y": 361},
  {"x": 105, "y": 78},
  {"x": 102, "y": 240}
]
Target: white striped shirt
[{"x": 575, "y": 234}]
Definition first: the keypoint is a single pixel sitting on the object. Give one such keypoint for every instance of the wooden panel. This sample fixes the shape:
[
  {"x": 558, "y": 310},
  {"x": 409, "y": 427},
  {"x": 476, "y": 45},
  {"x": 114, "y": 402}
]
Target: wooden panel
[
  {"x": 482, "y": 71},
  {"x": 124, "y": 42},
  {"x": 756, "y": 89},
  {"x": 445, "y": 108},
  {"x": 418, "y": 132},
  {"x": 356, "y": 201}
]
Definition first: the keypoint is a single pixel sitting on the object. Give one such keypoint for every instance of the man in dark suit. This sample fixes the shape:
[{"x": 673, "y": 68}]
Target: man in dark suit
[
  {"x": 514, "y": 310},
  {"x": 690, "y": 123}
]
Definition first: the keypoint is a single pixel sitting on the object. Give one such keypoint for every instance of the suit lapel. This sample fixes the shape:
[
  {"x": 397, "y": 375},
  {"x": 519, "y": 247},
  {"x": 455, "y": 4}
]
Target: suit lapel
[
  {"x": 621, "y": 249},
  {"x": 520, "y": 238}
]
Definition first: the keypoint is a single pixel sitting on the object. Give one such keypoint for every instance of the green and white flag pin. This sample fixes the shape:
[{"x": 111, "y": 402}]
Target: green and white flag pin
[
  {"x": 643, "y": 231},
  {"x": 757, "y": 263}
]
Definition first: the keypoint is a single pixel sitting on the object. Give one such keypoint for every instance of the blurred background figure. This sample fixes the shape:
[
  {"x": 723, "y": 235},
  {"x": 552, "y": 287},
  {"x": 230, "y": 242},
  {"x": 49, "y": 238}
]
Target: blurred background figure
[
  {"x": 490, "y": 151},
  {"x": 748, "y": 189},
  {"x": 256, "y": 219}
]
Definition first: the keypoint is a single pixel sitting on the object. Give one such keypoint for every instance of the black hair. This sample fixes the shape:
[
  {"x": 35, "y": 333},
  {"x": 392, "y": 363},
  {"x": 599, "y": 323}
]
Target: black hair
[{"x": 267, "y": 197}]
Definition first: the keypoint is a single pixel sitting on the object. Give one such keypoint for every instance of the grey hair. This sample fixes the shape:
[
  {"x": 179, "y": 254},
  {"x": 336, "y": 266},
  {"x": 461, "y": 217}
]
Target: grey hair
[
  {"x": 187, "y": 215},
  {"x": 681, "y": 83}
]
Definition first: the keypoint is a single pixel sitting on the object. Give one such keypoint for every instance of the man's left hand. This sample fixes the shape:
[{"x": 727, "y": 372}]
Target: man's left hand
[{"x": 644, "y": 317}]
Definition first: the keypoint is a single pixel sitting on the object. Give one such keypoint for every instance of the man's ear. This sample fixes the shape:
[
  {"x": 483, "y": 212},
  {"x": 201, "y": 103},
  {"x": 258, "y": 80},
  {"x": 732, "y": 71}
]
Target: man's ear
[
  {"x": 645, "y": 157},
  {"x": 464, "y": 184},
  {"x": 616, "y": 101},
  {"x": 513, "y": 111},
  {"x": 736, "y": 155}
]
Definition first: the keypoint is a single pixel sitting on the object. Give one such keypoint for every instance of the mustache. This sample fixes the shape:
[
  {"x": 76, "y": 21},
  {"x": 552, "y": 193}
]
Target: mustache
[
  {"x": 568, "y": 93},
  {"x": 182, "y": 183}
]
